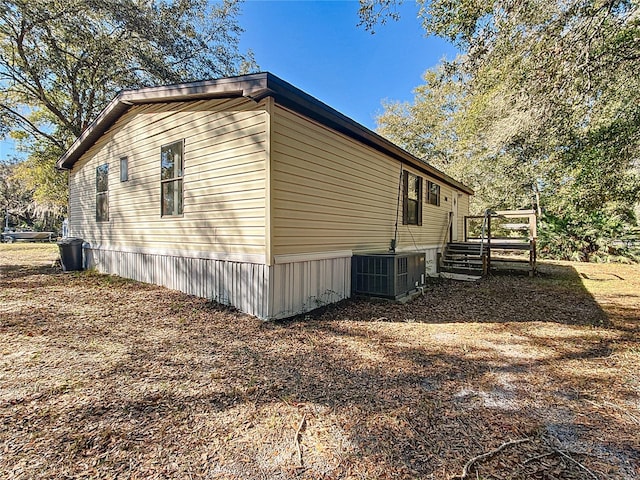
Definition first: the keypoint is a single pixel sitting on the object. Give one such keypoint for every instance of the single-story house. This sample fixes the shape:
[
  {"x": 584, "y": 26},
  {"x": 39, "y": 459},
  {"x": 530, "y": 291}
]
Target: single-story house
[{"x": 250, "y": 192}]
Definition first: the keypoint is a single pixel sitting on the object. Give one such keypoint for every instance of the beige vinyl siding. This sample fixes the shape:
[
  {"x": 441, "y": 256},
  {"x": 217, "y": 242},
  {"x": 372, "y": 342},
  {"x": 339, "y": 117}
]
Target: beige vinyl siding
[
  {"x": 329, "y": 192},
  {"x": 224, "y": 179}
]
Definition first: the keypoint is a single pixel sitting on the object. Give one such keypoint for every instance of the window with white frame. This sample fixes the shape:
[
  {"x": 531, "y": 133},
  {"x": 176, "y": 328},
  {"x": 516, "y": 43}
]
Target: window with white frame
[
  {"x": 171, "y": 175},
  {"x": 124, "y": 169},
  {"x": 102, "y": 193}
]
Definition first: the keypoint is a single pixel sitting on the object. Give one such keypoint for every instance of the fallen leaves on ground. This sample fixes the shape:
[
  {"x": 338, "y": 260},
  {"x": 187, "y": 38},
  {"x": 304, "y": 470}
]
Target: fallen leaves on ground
[{"x": 103, "y": 377}]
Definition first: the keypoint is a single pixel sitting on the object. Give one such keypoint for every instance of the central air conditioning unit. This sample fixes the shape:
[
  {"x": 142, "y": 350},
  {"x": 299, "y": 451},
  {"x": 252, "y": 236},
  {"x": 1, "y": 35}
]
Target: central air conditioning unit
[{"x": 388, "y": 275}]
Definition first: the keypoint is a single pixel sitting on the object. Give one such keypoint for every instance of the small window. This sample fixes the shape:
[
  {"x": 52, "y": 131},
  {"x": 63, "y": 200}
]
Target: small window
[
  {"x": 171, "y": 172},
  {"x": 102, "y": 193},
  {"x": 412, "y": 211},
  {"x": 124, "y": 169},
  {"x": 433, "y": 193}
]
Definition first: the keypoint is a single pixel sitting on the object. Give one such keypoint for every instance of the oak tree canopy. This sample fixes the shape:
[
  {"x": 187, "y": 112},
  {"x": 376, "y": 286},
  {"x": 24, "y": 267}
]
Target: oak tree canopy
[
  {"x": 62, "y": 61},
  {"x": 540, "y": 108}
]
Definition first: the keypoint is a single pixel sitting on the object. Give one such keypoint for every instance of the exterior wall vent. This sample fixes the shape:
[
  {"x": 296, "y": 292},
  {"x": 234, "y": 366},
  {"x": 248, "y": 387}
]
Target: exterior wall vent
[{"x": 388, "y": 275}]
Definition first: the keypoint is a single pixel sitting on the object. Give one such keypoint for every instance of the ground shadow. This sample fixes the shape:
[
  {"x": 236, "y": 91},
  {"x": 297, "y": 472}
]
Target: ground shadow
[
  {"x": 135, "y": 378},
  {"x": 557, "y": 296}
]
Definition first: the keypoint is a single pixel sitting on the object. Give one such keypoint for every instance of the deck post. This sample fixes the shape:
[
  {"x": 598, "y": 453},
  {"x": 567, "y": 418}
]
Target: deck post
[
  {"x": 488, "y": 243},
  {"x": 466, "y": 219},
  {"x": 532, "y": 256},
  {"x": 533, "y": 235}
]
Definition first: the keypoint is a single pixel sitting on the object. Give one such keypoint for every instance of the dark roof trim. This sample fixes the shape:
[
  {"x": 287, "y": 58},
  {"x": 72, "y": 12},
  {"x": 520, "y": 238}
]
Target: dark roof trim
[{"x": 255, "y": 87}]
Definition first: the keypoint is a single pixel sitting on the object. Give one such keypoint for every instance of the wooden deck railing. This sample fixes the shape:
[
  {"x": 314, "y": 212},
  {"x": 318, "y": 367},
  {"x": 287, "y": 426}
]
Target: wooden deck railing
[{"x": 503, "y": 234}]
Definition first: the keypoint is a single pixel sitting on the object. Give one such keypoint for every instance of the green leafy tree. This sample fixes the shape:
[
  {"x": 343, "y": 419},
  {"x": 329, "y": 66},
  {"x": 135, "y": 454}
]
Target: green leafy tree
[
  {"x": 38, "y": 175},
  {"x": 16, "y": 201},
  {"x": 438, "y": 127},
  {"x": 549, "y": 109},
  {"x": 62, "y": 61}
]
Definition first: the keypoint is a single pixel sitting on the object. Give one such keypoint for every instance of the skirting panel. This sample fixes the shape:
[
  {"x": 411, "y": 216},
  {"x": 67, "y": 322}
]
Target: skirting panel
[
  {"x": 243, "y": 285},
  {"x": 300, "y": 287},
  {"x": 431, "y": 264},
  {"x": 268, "y": 292}
]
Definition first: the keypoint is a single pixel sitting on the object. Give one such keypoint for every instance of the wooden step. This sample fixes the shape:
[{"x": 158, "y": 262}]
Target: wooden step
[
  {"x": 454, "y": 253},
  {"x": 464, "y": 245},
  {"x": 460, "y": 268},
  {"x": 455, "y": 257},
  {"x": 460, "y": 276},
  {"x": 462, "y": 259},
  {"x": 475, "y": 250},
  {"x": 462, "y": 265}
]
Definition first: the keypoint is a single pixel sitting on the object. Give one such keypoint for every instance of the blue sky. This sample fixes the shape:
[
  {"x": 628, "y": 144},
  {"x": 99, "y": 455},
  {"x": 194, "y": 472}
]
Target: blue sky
[{"x": 317, "y": 46}]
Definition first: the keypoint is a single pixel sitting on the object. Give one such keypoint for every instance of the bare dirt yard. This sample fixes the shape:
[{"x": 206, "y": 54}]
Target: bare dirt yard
[{"x": 103, "y": 377}]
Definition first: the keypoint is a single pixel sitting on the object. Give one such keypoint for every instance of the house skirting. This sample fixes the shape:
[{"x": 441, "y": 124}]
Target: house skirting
[
  {"x": 302, "y": 284},
  {"x": 293, "y": 285}
]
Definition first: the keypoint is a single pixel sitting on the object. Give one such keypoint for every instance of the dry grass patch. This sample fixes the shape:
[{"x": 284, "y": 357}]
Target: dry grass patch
[{"x": 108, "y": 378}]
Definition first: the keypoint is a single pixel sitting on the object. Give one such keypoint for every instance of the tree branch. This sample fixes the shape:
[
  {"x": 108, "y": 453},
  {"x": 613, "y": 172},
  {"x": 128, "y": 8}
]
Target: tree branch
[
  {"x": 476, "y": 459},
  {"x": 35, "y": 78},
  {"x": 593, "y": 475},
  {"x": 32, "y": 127},
  {"x": 296, "y": 439}
]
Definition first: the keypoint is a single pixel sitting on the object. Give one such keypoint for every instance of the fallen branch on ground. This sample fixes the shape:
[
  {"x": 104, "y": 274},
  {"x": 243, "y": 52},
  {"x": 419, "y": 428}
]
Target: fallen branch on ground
[
  {"x": 476, "y": 459},
  {"x": 297, "y": 439},
  {"x": 537, "y": 457},
  {"x": 568, "y": 457}
]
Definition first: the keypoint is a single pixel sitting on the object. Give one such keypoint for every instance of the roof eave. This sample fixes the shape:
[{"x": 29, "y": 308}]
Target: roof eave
[
  {"x": 255, "y": 87},
  {"x": 245, "y": 86},
  {"x": 300, "y": 101}
]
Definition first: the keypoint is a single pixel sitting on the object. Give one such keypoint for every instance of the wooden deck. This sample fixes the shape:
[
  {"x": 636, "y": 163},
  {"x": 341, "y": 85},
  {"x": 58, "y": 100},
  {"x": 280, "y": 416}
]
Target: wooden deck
[{"x": 501, "y": 234}]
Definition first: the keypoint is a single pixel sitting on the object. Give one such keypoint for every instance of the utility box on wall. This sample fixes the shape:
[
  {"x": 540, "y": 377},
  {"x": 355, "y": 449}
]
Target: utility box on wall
[{"x": 388, "y": 275}]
